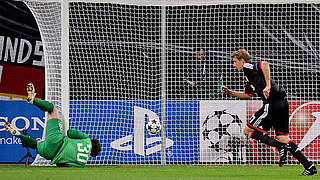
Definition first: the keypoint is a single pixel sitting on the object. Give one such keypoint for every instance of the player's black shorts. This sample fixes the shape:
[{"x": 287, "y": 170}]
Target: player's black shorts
[{"x": 274, "y": 114}]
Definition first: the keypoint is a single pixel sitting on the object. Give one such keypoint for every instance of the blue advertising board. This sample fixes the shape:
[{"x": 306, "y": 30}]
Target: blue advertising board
[
  {"x": 120, "y": 126},
  {"x": 23, "y": 116},
  {"x": 183, "y": 127}
]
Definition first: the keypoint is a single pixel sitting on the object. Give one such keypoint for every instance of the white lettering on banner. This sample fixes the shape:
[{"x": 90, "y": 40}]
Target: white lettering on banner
[
  {"x": 138, "y": 137},
  {"x": 36, "y": 123},
  {"x": 26, "y": 121},
  {"x": 13, "y": 140},
  {"x": 11, "y": 49},
  {"x": 21, "y": 59},
  {"x": 1, "y": 67},
  {"x": 38, "y": 52},
  {"x": 1, "y": 45},
  {"x": 16, "y": 50},
  {"x": 5, "y": 119}
]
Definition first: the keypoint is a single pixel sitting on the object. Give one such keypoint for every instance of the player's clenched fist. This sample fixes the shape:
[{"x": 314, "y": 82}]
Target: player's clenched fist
[{"x": 225, "y": 90}]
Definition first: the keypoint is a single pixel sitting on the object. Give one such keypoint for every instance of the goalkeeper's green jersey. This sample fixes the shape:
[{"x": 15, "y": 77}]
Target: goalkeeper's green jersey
[{"x": 75, "y": 150}]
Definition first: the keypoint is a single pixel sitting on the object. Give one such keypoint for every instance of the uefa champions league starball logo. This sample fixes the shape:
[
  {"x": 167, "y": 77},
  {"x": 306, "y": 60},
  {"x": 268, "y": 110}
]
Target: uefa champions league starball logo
[{"x": 222, "y": 131}]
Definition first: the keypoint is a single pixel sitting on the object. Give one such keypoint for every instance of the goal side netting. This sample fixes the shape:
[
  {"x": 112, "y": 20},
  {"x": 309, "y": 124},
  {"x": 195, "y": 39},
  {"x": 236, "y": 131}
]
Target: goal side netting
[{"x": 132, "y": 61}]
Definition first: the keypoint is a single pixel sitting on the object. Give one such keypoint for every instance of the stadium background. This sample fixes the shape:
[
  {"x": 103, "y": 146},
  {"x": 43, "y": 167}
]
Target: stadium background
[{"x": 187, "y": 34}]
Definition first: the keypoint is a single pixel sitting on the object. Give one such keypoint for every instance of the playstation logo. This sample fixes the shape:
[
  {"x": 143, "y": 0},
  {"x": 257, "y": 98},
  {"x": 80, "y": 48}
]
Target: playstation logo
[{"x": 138, "y": 137}]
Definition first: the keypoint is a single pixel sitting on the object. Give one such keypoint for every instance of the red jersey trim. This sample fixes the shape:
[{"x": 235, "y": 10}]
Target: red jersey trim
[
  {"x": 248, "y": 93},
  {"x": 256, "y": 128},
  {"x": 260, "y": 64}
]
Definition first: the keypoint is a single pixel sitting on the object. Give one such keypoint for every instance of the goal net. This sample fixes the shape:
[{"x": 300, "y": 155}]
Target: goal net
[{"x": 132, "y": 61}]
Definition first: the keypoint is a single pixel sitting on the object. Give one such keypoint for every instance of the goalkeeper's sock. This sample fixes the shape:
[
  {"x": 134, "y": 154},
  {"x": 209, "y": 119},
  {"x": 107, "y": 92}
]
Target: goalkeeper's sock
[
  {"x": 264, "y": 138},
  {"x": 28, "y": 141},
  {"x": 43, "y": 105},
  {"x": 296, "y": 153}
]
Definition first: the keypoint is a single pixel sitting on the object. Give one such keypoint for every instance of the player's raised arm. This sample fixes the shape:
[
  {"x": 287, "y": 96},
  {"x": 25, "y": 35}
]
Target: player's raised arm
[
  {"x": 237, "y": 94},
  {"x": 75, "y": 134},
  {"x": 191, "y": 83}
]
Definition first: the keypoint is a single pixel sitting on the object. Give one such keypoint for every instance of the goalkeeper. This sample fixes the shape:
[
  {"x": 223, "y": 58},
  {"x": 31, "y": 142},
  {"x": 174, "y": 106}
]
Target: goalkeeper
[
  {"x": 275, "y": 110},
  {"x": 72, "y": 150}
]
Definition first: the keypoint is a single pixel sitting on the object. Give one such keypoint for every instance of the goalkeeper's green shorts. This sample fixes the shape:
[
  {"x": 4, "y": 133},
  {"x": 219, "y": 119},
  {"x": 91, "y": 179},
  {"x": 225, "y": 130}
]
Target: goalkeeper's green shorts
[{"x": 53, "y": 139}]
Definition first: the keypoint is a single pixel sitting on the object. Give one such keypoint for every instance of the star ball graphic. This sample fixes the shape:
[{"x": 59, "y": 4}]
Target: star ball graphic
[{"x": 222, "y": 130}]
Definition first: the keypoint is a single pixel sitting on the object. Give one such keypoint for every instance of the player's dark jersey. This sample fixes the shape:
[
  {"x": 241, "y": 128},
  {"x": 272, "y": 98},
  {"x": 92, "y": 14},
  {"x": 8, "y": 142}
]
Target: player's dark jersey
[{"x": 256, "y": 83}]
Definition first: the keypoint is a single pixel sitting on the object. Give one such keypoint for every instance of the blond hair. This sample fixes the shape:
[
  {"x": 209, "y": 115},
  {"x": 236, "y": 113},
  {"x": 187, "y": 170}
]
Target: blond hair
[{"x": 241, "y": 54}]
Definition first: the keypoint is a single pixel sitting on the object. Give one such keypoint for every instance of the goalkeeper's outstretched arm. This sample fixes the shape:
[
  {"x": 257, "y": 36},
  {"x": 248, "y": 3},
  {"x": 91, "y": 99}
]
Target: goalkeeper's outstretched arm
[{"x": 75, "y": 134}]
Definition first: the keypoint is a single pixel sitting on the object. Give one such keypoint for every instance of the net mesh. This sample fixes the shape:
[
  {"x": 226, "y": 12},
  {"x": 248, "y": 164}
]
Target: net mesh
[
  {"x": 115, "y": 77},
  {"x": 48, "y": 17}
]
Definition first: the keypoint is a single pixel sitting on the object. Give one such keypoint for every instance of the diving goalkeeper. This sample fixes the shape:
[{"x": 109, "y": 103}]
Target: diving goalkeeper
[{"x": 72, "y": 150}]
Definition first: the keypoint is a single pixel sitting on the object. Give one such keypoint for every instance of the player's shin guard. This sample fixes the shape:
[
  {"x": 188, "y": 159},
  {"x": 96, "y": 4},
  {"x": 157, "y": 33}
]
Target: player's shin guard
[
  {"x": 264, "y": 138},
  {"x": 296, "y": 153},
  {"x": 43, "y": 105},
  {"x": 28, "y": 141}
]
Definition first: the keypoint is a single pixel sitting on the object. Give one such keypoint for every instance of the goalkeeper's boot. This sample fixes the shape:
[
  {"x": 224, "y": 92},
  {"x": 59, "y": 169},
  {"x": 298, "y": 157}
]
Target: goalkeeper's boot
[
  {"x": 11, "y": 129},
  {"x": 310, "y": 171},
  {"x": 31, "y": 93},
  {"x": 283, "y": 151}
]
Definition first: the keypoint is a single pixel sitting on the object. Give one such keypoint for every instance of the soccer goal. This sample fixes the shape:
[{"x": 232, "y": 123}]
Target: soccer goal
[{"x": 112, "y": 65}]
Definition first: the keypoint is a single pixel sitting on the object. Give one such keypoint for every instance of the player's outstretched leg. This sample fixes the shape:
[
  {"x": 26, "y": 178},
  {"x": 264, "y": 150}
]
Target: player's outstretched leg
[
  {"x": 42, "y": 104},
  {"x": 11, "y": 129},
  {"x": 29, "y": 141}
]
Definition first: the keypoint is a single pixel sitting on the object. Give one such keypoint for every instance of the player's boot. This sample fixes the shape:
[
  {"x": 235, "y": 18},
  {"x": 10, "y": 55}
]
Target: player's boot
[
  {"x": 310, "y": 171},
  {"x": 11, "y": 129},
  {"x": 283, "y": 151},
  {"x": 31, "y": 93}
]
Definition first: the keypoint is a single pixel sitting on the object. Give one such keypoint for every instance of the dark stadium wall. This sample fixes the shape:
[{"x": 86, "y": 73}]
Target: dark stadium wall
[{"x": 21, "y": 51}]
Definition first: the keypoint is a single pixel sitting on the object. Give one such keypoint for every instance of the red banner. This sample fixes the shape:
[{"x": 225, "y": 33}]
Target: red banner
[
  {"x": 304, "y": 131},
  {"x": 15, "y": 78},
  {"x": 304, "y": 127}
]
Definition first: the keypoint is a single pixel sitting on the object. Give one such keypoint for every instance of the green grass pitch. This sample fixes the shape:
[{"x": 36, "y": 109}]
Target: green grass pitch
[{"x": 154, "y": 172}]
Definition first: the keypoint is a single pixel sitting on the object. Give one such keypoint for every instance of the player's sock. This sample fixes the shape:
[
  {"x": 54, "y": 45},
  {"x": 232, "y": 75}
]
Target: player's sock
[
  {"x": 264, "y": 138},
  {"x": 28, "y": 141},
  {"x": 299, "y": 156},
  {"x": 282, "y": 147},
  {"x": 43, "y": 105}
]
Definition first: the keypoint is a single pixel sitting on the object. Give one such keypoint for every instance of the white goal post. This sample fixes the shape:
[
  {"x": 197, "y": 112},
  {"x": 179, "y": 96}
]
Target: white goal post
[{"x": 112, "y": 64}]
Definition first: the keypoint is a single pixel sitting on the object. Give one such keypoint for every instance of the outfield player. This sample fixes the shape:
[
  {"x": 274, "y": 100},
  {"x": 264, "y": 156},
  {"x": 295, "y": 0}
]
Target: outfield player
[
  {"x": 274, "y": 112},
  {"x": 72, "y": 150}
]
